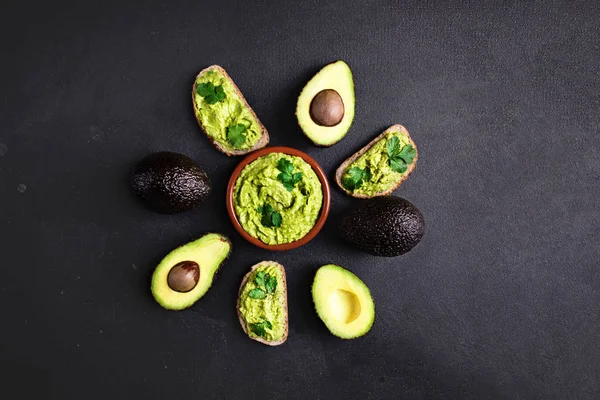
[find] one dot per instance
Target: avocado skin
(169, 182)
(384, 226)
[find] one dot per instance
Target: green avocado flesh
(208, 252)
(231, 111)
(258, 184)
(343, 302)
(378, 162)
(272, 308)
(336, 76)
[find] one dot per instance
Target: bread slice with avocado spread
(224, 114)
(381, 166)
(262, 303)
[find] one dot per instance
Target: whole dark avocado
(169, 182)
(384, 226)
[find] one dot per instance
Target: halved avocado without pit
(186, 273)
(343, 302)
(325, 108)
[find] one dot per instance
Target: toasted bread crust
(284, 285)
(264, 139)
(339, 173)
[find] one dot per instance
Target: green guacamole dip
(271, 308)
(299, 209)
(231, 111)
(376, 159)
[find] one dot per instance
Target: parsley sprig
(400, 158)
(266, 283)
(287, 176)
(260, 328)
(270, 217)
(355, 177)
(210, 93)
(236, 135)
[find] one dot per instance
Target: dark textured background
(501, 298)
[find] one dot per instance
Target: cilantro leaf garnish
(408, 154)
(260, 328)
(398, 165)
(220, 92)
(210, 93)
(259, 279)
(266, 283)
(258, 294)
(276, 219)
(270, 217)
(355, 177)
(270, 284)
(400, 158)
(287, 176)
(236, 135)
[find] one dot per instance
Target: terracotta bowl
(324, 209)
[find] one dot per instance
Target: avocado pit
(327, 108)
(184, 276)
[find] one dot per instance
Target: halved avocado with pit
(325, 108)
(343, 302)
(186, 273)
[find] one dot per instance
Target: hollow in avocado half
(277, 198)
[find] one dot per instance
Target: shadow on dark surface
(144, 285)
(330, 229)
(282, 120)
(303, 317)
(365, 137)
(185, 86)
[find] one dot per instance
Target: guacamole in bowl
(277, 198)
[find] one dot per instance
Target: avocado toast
(262, 303)
(224, 114)
(364, 175)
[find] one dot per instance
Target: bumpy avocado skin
(384, 226)
(170, 182)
